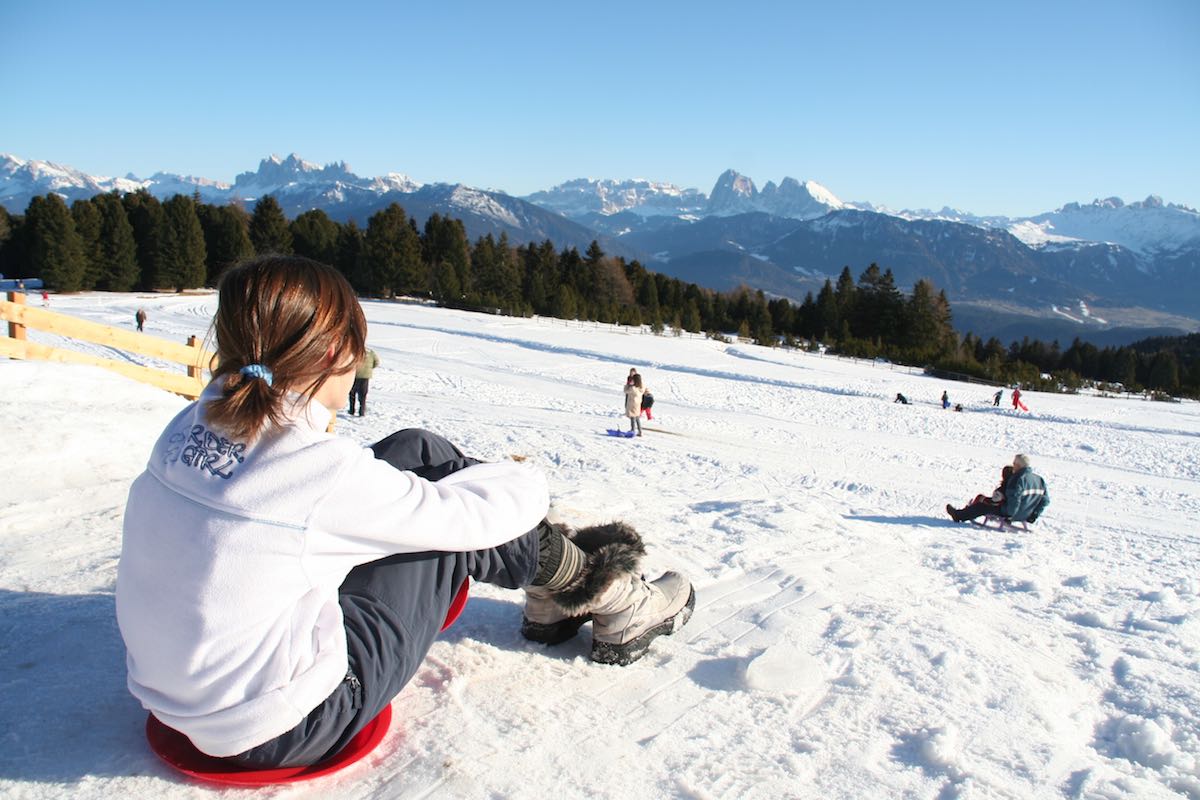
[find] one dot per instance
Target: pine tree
(349, 255)
(15, 245)
(226, 237)
(118, 249)
(448, 254)
(56, 252)
(1164, 372)
(691, 316)
(594, 254)
(923, 333)
(184, 254)
(269, 231)
(146, 216)
(314, 235)
(647, 298)
(828, 315)
(388, 250)
(87, 224)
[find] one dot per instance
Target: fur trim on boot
(614, 550)
(545, 620)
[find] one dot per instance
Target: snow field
(848, 639)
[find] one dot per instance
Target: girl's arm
(377, 509)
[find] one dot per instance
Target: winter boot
(633, 612)
(543, 620)
(627, 612)
(953, 512)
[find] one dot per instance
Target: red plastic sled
(458, 603)
(179, 753)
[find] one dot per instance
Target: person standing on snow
(362, 379)
(633, 403)
(140, 319)
(945, 399)
(1016, 399)
(647, 404)
(997, 397)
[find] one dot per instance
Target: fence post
(194, 370)
(15, 329)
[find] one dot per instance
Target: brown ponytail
(282, 313)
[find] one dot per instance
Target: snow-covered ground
(849, 641)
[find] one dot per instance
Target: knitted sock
(559, 560)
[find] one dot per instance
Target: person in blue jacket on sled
(1024, 497)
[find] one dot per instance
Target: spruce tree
(348, 257)
(691, 316)
(184, 253)
(146, 216)
(56, 252)
(315, 236)
(87, 224)
(226, 237)
(388, 250)
(594, 254)
(1164, 372)
(828, 314)
(118, 250)
(269, 232)
(446, 251)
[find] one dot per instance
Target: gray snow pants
(394, 609)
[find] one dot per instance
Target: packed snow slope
(849, 641)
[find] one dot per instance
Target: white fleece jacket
(232, 555)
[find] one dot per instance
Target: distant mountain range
(1135, 265)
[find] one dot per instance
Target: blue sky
(1007, 108)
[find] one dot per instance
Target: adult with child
(279, 585)
(633, 402)
(362, 380)
(1021, 497)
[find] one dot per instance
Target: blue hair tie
(257, 371)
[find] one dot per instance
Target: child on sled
(279, 585)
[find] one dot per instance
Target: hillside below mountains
(1135, 265)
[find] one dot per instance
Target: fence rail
(19, 316)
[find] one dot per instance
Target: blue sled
(625, 434)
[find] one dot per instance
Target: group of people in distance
(1020, 497)
(996, 398)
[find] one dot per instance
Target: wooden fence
(192, 355)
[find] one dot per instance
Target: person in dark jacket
(140, 318)
(1023, 497)
(900, 399)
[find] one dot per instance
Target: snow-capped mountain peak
(22, 179)
(1146, 226)
(582, 196)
